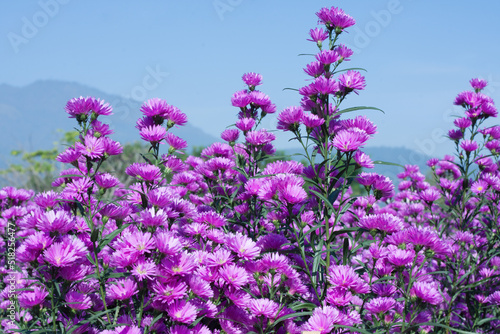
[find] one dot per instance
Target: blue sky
(418, 55)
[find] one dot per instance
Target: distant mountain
(31, 116)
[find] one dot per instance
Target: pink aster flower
(327, 57)
(245, 124)
(243, 246)
(122, 290)
(427, 292)
(314, 69)
(176, 117)
(144, 269)
(325, 86)
(322, 320)
(32, 297)
(400, 257)
(156, 107)
(260, 137)
(66, 253)
(252, 79)
(338, 296)
(363, 160)
(55, 221)
(176, 143)
(79, 106)
(479, 187)
(344, 52)
(233, 275)
(264, 307)
(380, 305)
(230, 135)
(346, 277)
(168, 292)
(180, 265)
(312, 121)
(241, 99)
(182, 311)
(469, 145)
(290, 118)
(106, 180)
(153, 134)
(385, 222)
(317, 35)
(144, 171)
(335, 18)
(78, 301)
(91, 147)
(349, 141)
(69, 155)
(351, 81)
(478, 84)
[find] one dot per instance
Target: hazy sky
(418, 55)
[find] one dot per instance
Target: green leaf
(379, 162)
(110, 237)
(345, 251)
(327, 202)
(351, 69)
(358, 108)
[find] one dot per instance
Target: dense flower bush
(225, 243)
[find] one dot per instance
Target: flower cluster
(230, 242)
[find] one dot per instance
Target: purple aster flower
(494, 298)
(230, 135)
(168, 292)
(338, 296)
(380, 305)
(289, 119)
(327, 57)
(493, 146)
(430, 195)
(360, 123)
(314, 69)
(32, 297)
(260, 137)
(363, 160)
(385, 222)
(91, 147)
(335, 18)
(351, 81)
(245, 124)
(144, 171)
(479, 187)
(478, 84)
(252, 79)
(181, 264)
(264, 307)
(317, 35)
(311, 121)
(241, 99)
(99, 129)
(176, 143)
(78, 301)
(156, 108)
(69, 155)
(78, 107)
(182, 311)
(175, 117)
(245, 247)
(400, 257)
(153, 134)
(46, 199)
(469, 145)
(75, 272)
(144, 269)
(111, 147)
(322, 320)
(349, 141)
(122, 290)
(61, 255)
(344, 52)
(106, 180)
(462, 123)
(55, 221)
(234, 276)
(345, 277)
(325, 86)
(427, 292)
